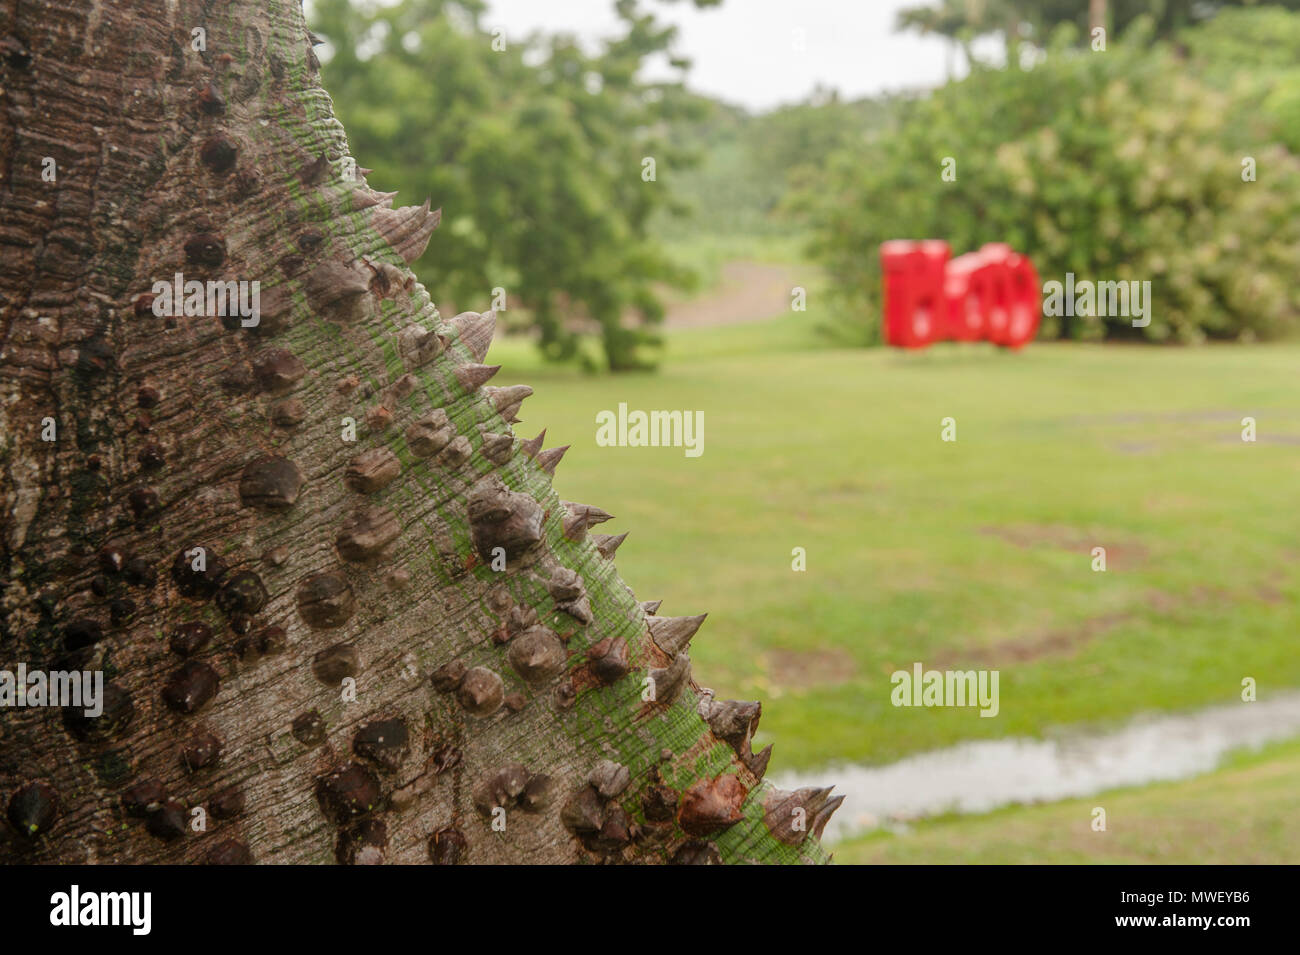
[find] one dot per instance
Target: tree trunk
(282, 543)
(1097, 14)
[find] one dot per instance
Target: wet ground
(980, 776)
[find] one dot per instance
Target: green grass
(974, 553)
(1244, 813)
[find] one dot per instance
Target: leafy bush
(1115, 165)
(1254, 54)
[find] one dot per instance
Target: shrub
(1115, 165)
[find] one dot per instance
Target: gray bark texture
(277, 542)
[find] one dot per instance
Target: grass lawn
(1245, 813)
(967, 554)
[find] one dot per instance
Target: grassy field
(1245, 813)
(967, 554)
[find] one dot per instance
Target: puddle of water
(980, 776)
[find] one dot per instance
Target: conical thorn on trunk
(595, 515)
(757, 762)
(791, 816)
(340, 290)
(575, 526)
(507, 400)
(533, 445)
(548, 459)
(418, 346)
(735, 722)
(407, 229)
(473, 376)
(566, 584)
(503, 518)
(669, 680)
(474, 330)
(497, 448)
(607, 544)
(672, 634)
(366, 198)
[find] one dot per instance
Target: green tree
(1255, 54)
(548, 161)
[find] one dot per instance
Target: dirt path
(748, 292)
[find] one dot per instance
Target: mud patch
(1270, 591)
(1136, 447)
(1289, 440)
(1125, 554)
(1146, 417)
(1270, 594)
(800, 669)
(1056, 643)
(1067, 641)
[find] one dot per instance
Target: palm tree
(962, 21)
(1097, 14)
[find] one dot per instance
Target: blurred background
(681, 204)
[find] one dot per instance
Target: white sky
(747, 51)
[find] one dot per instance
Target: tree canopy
(1034, 20)
(547, 159)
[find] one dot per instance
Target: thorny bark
(479, 695)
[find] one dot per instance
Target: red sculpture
(992, 294)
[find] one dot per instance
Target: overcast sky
(761, 53)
